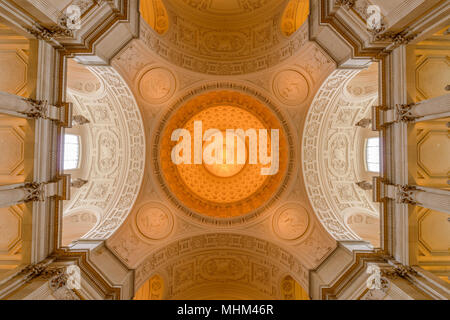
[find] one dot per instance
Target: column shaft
(435, 106)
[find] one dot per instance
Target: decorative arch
(213, 260)
(330, 152)
(113, 167)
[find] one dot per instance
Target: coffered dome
(226, 37)
(222, 191)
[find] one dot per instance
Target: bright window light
(373, 154)
(71, 151)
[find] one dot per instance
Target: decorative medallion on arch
(229, 193)
(291, 221)
(154, 221)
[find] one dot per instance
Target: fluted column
(430, 198)
(430, 109)
(15, 194)
(33, 109)
(26, 108)
(434, 199)
(28, 192)
(435, 108)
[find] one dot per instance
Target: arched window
(71, 151)
(373, 154)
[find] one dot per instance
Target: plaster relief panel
(432, 144)
(291, 221)
(431, 138)
(154, 221)
(434, 232)
(11, 139)
(157, 85)
(291, 87)
(10, 230)
(13, 63)
(428, 84)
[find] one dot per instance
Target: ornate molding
(49, 33)
(264, 57)
(347, 4)
(79, 120)
(177, 252)
(56, 275)
(399, 271)
(406, 195)
(364, 123)
(397, 38)
(403, 112)
(117, 155)
(38, 109)
(34, 192)
(328, 170)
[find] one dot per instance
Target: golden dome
(221, 190)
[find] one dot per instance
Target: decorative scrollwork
(48, 34)
(79, 120)
(397, 38)
(406, 195)
(404, 113)
(364, 123)
(57, 276)
(347, 4)
(399, 271)
(38, 109)
(34, 192)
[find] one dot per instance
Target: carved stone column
(435, 108)
(27, 108)
(43, 280)
(434, 199)
(15, 194)
(29, 192)
(429, 198)
(33, 109)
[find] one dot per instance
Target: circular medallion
(290, 221)
(291, 87)
(157, 85)
(154, 221)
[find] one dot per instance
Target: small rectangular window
(373, 154)
(71, 151)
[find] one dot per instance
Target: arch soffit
(329, 155)
(190, 254)
(116, 157)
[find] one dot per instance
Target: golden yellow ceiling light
(221, 190)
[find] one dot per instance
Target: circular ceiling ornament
(222, 193)
(291, 87)
(154, 221)
(291, 221)
(157, 85)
